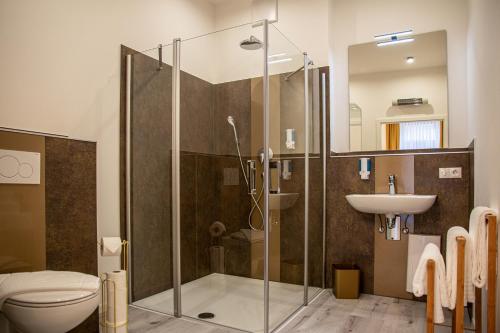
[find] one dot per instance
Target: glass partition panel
(222, 237)
(150, 179)
(287, 177)
(316, 88)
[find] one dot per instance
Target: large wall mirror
(398, 93)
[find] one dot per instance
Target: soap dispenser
(364, 167)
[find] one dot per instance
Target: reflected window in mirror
(399, 94)
(427, 134)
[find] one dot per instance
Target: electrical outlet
(450, 172)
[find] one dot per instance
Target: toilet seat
(51, 299)
(48, 301)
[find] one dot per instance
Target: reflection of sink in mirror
(282, 200)
(391, 204)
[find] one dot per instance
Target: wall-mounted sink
(282, 200)
(391, 204)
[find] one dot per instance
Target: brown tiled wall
(66, 205)
(292, 225)
(70, 204)
(452, 206)
(208, 148)
(71, 213)
(350, 234)
(207, 145)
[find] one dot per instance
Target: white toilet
(48, 301)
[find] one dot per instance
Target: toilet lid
(54, 298)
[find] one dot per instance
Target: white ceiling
(429, 50)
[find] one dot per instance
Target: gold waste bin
(346, 281)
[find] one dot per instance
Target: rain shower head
(252, 43)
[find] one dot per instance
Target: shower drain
(206, 315)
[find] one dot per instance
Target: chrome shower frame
(265, 95)
(176, 172)
(176, 209)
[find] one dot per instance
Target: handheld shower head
(230, 120)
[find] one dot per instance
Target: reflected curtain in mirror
(421, 134)
(392, 136)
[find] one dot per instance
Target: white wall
(357, 21)
(484, 103)
(60, 65)
(305, 23)
(60, 72)
(374, 93)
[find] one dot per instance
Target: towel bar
(458, 312)
(431, 268)
(491, 221)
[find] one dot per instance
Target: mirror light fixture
(394, 34)
(394, 38)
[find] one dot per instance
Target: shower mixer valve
(251, 171)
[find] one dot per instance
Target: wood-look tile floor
(368, 314)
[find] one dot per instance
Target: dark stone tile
(71, 211)
(188, 217)
(292, 225)
(70, 204)
(151, 178)
(233, 202)
(205, 210)
(197, 115)
(452, 205)
(232, 99)
(237, 257)
(349, 234)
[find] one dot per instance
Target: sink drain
(206, 315)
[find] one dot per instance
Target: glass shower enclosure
(222, 133)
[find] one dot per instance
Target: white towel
(441, 300)
(416, 245)
(451, 266)
(23, 283)
(479, 238)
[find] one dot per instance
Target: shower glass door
(287, 195)
(201, 121)
(149, 179)
(222, 238)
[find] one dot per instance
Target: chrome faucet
(392, 184)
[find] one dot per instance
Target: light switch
(450, 172)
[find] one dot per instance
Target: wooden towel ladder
(491, 287)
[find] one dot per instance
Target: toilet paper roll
(116, 284)
(111, 246)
